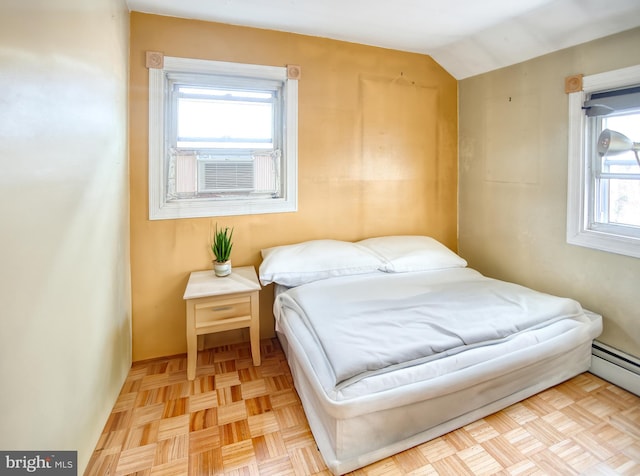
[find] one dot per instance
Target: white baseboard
(616, 367)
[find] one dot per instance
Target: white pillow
(293, 265)
(412, 253)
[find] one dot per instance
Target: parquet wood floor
(237, 419)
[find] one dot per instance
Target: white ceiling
(466, 37)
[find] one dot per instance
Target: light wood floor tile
(436, 449)
(619, 464)
(136, 459)
(178, 467)
(306, 460)
(147, 414)
(229, 394)
(202, 401)
(410, 460)
(276, 467)
(552, 464)
(563, 423)
(203, 419)
(426, 470)
(262, 424)
(203, 440)
(627, 421)
(238, 455)
(258, 405)
(155, 380)
(633, 451)
(202, 384)
(481, 431)
(290, 416)
(237, 419)
(269, 446)
(503, 452)
(544, 432)
(125, 401)
(256, 388)
(460, 440)
(234, 432)
(284, 398)
(175, 426)
(524, 442)
(574, 455)
(206, 462)
(520, 413)
(479, 460)
(172, 449)
(227, 379)
(297, 437)
(385, 467)
(452, 465)
(523, 468)
(231, 412)
(142, 435)
(176, 407)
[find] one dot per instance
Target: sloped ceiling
(466, 37)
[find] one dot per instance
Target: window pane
(618, 198)
(224, 124)
(624, 164)
(624, 202)
(627, 124)
(214, 118)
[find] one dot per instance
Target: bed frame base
(352, 443)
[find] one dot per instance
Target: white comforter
(369, 325)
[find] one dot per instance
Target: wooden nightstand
(220, 304)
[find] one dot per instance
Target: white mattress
(410, 404)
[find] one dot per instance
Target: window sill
(195, 209)
(608, 242)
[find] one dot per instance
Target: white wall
(513, 185)
(65, 343)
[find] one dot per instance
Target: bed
(393, 341)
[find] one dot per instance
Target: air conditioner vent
(226, 176)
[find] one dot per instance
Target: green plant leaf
(222, 243)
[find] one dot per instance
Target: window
(603, 210)
(222, 139)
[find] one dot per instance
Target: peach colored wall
(377, 155)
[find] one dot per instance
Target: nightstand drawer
(222, 309)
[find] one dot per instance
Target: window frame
(159, 97)
(580, 188)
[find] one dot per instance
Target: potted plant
(221, 248)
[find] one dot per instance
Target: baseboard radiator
(616, 367)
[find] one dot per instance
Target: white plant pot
(222, 269)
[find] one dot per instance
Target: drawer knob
(221, 308)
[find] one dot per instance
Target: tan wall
(377, 155)
(513, 185)
(65, 343)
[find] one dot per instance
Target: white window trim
(578, 231)
(159, 208)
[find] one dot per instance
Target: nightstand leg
(192, 341)
(254, 330)
(200, 342)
